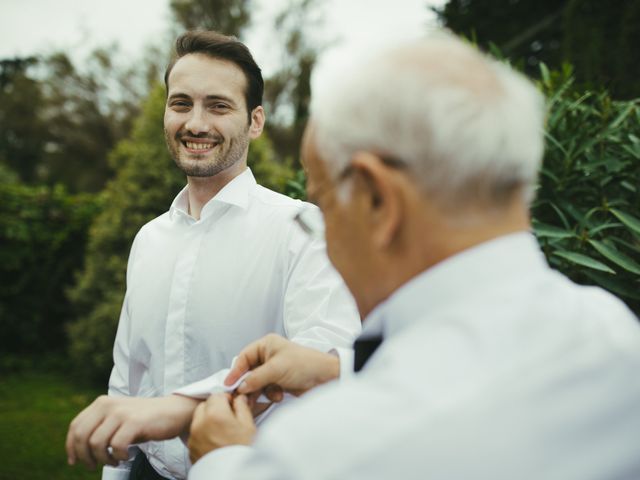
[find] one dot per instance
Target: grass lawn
(35, 410)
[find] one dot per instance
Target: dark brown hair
(223, 47)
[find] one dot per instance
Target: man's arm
(319, 311)
(118, 422)
(279, 365)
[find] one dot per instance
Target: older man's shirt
(493, 367)
(198, 291)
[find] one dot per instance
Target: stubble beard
(218, 161)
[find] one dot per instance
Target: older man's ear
(379, 187)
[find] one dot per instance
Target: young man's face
(205, 117)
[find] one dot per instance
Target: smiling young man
(224, 266)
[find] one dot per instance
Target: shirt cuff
(121, 472)
(345, 355)
(202, 389)
(221, 463)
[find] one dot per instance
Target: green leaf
(583, 260)
(544, 73)
(621, 118)
(628, 185)
(629, 220)
(560, 214)
(614, 285)
(616, 256)
(544, 230)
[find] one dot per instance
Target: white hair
(468, 127)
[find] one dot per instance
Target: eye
(219, 107)
(180, 105)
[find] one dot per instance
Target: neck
(427, 240)
(455, 237)
(203, 189)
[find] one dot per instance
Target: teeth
(199, 146)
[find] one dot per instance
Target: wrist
(331, 368)
(182, 408)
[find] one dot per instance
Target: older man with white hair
(486, 363)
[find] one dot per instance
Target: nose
(197, 122)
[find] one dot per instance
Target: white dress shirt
(198, 291)
(493, 367)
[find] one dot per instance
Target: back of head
(221, 47)
(470, 129)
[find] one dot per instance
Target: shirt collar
(470, 272)
(236, 192)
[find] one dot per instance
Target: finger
(197, 424)
(198, 415)
(68, 444)
(242, 410)
(261, 377)
(274, 393)
(85, 425)
(121, 440)
(75, 429)
(100, 438)
(252, 398)
(250, 357)
(219, 405)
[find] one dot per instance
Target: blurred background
(83, 163)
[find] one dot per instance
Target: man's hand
(219, 422)
(118, 422)
(280, 365)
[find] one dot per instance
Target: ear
(257, 122)
(379, 187)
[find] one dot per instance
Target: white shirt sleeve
(319, 311)
(346, 356)
(119, 379)
(236, 462)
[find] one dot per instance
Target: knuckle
(102, 400)
(273, 338)
(95, 443)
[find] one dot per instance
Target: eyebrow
(207, 98)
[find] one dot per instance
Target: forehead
(197, 74)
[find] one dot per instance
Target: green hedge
(43, 233)
(586, 212)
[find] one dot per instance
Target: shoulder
(262, 197)
(155, 224)
(275, 211)
(598, 314)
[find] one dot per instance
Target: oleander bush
(587, 212)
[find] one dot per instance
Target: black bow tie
(363, 348)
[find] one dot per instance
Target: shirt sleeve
(319, 311)
(236, 462)
(119, 379)
(309, 439)
(345, 355)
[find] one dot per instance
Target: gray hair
(469, 128)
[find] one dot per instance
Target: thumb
(239, 368)
(259, 379)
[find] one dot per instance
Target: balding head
(470, 129)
